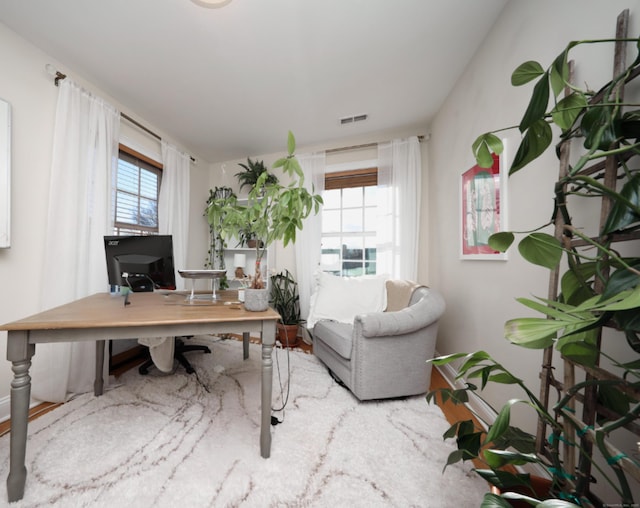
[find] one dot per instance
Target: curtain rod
(58, 76)
(147, 130)
(365, 145)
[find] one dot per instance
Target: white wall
(28, 88)
(480, 295)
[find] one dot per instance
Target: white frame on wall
(5, 174)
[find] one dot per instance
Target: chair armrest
(410, 319)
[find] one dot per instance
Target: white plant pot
(256, 300)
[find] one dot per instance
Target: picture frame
(483, 211)
(5, 174)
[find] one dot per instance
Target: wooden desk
(104, 317)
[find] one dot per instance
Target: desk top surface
(158, 308)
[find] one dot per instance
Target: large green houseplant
(599, 288)
(273, 211)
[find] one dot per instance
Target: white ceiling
(230, 82)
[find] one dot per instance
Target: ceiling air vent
(351, 119)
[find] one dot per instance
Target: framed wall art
(483, 210)
(5, 174)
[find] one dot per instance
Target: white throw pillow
(342, 298)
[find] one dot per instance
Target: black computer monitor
(141, 263)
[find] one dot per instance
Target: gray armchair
(383, 354)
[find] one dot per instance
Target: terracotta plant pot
(287, 335)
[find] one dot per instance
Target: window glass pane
(331, 221)
(370, 217)
(126, 208)
(370, 195)
(370, 248)
(349, 224)
(331, 198)
(352, 221)
(148, 184)
(352, 197)
(352, 269)
(148, 213)
(352, 248)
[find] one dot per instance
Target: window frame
(353, 178)
(144, 163)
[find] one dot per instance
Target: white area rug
(164, 441)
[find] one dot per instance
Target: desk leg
(98, 384)
(19, 353)
(268, 341)
(245, 345)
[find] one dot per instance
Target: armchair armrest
(410, 319)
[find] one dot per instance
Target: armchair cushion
(342, 298)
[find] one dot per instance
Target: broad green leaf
(504, 378)
(574, 283)
(525, 72)
(577, 347)
(621, 280)
(534, 333)
(291, 143)
(518, 439)
(568, 109)
(628, 299)
(472, 360)
(541, 249)
(498, 458)
(598, 128)
(504, 479)
(494, 501)
(550, 311)
(538, 104)
(501, 241)
(444, 360)
(279, 163)
(559, 74)
(535, 141)
(612, 398)
(484, 146)
(501, 423)
(630, 125)
(621, 215)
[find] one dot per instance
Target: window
(349, 223)
(135, 194)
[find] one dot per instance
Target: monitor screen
(141, 263)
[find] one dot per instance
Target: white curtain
(173, 204)
(85, 152)
(399, 177)
(309, 241)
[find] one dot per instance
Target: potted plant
(217, 245)
(286, 301)
(599, 290)
(252, 170)
(272, 211)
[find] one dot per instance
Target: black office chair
(178, 353)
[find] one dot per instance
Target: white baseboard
(5, 408)
(475, 404)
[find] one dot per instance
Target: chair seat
(335, 335)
